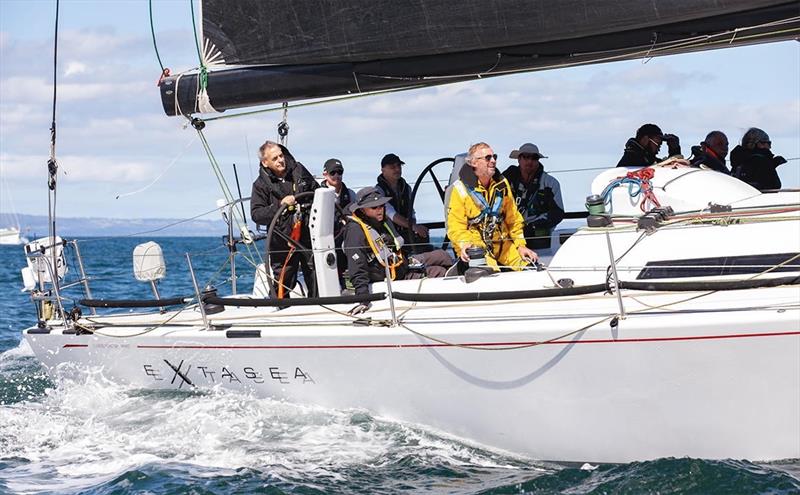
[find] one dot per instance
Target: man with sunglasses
(641, 150)
(753, 161)
(333, 172)
(482, 213)
(537, 194)
(373, 247)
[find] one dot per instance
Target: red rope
(643, 175)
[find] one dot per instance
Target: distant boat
(10, 236)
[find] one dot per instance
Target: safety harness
(382, 251)
(490, 216)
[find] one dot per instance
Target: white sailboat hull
(718, 381)
(666, 371)
(10, 237)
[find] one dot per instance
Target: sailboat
(10, 234)
(665, 328)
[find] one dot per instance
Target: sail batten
(293, 50)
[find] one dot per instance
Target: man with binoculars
(641, 150)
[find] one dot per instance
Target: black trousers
(299, 259)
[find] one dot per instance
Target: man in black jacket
(372, 245)
(280, 179)
(712, 152)
(400, 210)
(641, 150)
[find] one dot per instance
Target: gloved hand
(673, 144)
(359, 308)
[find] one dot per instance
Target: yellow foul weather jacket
(470, 219)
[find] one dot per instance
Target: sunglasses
(768, 143)
(336, 172)
(488, 158)
(526, 156)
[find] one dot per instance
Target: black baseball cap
(391, 159)
(333, 164)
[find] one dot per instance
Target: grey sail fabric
(289, 50)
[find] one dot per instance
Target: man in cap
(482, 213)
(641, 150)
(372, 245)
(400, 210)
(280, 179)
(537, 194)
(711, 152)
(333, 172)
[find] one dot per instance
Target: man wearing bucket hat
(641, 150)
(372, 246)
(537, 194)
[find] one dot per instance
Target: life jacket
(491, 214)
(380, 249)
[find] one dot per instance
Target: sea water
(90, 436)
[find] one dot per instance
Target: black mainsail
(285, 50)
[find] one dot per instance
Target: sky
(120, 156)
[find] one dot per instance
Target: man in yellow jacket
(482, 213)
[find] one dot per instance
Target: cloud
(75, 67)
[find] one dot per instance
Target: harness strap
(379, 247)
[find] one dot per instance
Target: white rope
(173, 162)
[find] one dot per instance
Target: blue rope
(606, 194)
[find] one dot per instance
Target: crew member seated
(371, 243)
(537, 193)
(400, 210)
(482, 213)
(711, 153)
(641, 150)
(754, 163)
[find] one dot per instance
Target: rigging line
(153, 32)
(684, 43)
(173, 162)
(145, 331)
(159, 229)
(196, 38)
(241, 222)
(215, 168)
(52, 163)
(312, 103)
(509, 347)
(698, 296)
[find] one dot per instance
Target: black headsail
(284, 50)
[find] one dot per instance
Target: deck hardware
(615, 276)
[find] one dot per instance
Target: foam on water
(86, 431)
(79, 433)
